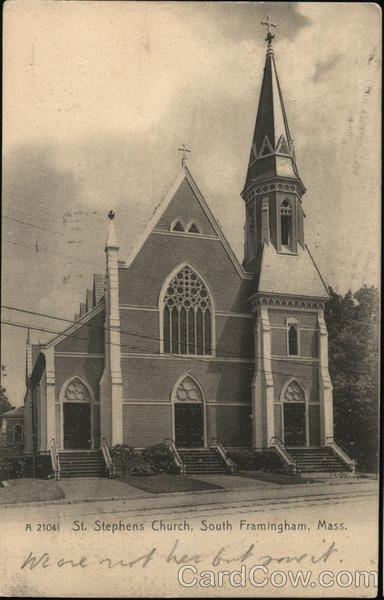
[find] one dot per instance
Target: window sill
(176, 355)
(286, 250)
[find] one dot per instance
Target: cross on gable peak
(184, 156)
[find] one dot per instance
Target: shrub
(161, 459)
(12, 462)
(122, 455)
(243, 459)
(142, 469)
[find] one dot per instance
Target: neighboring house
(182, 341)
(12, 427)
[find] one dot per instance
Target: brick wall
(306, 372)
(153, 379)
(146, 424)
(88, 338)
(186, 207)
(89, 368)
(140, 285)
(233, 425)
(140, 332)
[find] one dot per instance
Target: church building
(180, 343)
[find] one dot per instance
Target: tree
(5, 405)
(353, 328)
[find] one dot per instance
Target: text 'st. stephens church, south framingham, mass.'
(182, 344)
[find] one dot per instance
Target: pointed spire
(112, 237)
(272, 152)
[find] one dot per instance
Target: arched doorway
(294, 415)
(77, 416)
(188, 414)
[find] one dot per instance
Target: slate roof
(272, 151)
(14, 412)
(98, 287)
(89, 299)
(289, 274)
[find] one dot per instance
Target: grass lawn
(165, 484)
(30, 490)
(279, 478)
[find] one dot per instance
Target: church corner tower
(291, 389)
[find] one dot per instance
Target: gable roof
(14, 412)
(74, 327)
(184, 174)
(289, 274)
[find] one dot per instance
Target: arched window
(18, 433)
(292, 340)
(193, 228)
(187, 317)
(286, 222)
(177, 226)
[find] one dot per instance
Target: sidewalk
(77, 491)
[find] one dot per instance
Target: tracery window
(76, 391)
(294, 393)
(292, 340)
(188, 391)
(187, 317)
(286, 222)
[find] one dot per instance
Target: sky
(97, 98)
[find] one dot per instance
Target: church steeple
(272, 174)
(272, 150)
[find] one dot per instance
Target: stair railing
(107, 457)
(169, 442)
(215, 443)
(278, 445)
(55, 460)
(347, 460)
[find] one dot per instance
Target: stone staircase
(202, 461)
(318, 460)
(84, 463)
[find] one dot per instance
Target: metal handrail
(178, 460)
(55, 460)
(216, 443)
(277, 443)
(330, 441)
(107, 457)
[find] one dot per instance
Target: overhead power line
(152, 338)
(177, 356)
(48, 230)
(37, 248)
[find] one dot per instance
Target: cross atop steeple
(269, 24)
(272, 151)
